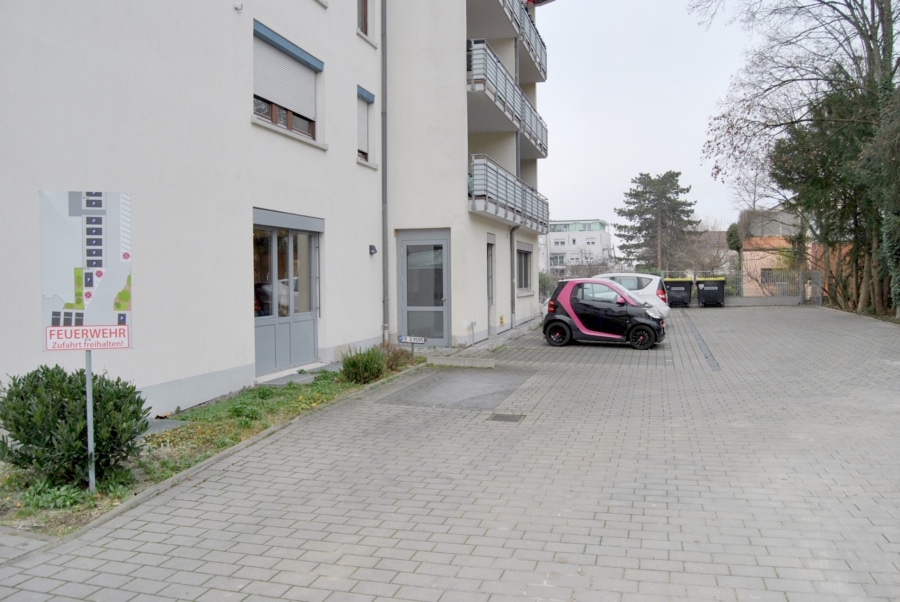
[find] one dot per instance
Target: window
(573, 241)
(283, 118)
(557, 260)
(364, 100)
(594, 292)
(523, 265)
(282, 283)
(559, 242)
(362, 16)
(284, 82)
(590, 241)
(490, 274)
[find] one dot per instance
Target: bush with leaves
(45, 414)
(362, 367)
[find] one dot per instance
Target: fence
(766, 287)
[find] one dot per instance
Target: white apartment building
(575, 243)
(204, 157)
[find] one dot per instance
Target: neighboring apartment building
(576, 245)
(241, 146)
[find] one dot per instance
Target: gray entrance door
(284, 293)
(424, 287)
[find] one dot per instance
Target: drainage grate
(507, 417)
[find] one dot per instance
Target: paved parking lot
(753, 456)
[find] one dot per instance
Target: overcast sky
(630, 89)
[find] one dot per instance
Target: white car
(646, 287)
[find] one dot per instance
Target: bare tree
(586, 265)
(801, 45)
(752, 188)
(705, 249)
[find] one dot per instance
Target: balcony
(497, 104)
(499, 195)
(532, 50)
(501, 19)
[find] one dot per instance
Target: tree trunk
(659, 234)
(864, 286)
(826, 272)
(877, 293)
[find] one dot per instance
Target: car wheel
(641, 337)
(558, 334)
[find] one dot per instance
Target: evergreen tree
(658, 220)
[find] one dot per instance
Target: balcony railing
(532, 39)
(487, 73)
(503, 196)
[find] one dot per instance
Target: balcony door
(424, 299)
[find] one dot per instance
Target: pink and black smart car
(599, 310)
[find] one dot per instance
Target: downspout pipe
(385, 297)
(513, 280)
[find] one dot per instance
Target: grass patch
(32, 505)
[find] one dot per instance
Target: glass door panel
(424, 293)
(262, 273)
(283, 265)
(302, 281)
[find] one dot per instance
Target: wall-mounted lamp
(372, 250)
(238, 6)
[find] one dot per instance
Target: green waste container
(711, 291)
(678, 291)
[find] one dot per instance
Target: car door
(596, 308)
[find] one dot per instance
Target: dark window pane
(425, 275)
(262, 273)
(262, 108)
(302, 125)
(281, 116)
(282, 265)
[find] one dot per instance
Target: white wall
(427, 134)
(157, 102)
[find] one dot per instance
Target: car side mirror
(620, 300)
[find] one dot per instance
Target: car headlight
(654, 314)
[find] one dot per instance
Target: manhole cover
(507, 417)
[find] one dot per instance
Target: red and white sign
(68, 338)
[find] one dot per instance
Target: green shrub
(45, 415)
(265, 392)
(246, 410)
(364, 367)
(396, 357)
(45, 496)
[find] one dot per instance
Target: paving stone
(635, 475)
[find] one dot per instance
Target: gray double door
(284, 298)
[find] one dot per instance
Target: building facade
(575, 246)
(307, 158)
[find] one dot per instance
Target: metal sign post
(413, 341)
(89, 395)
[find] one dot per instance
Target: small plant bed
(32, 503)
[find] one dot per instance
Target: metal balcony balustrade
(504, 197)
(487, 73)
(529, 34)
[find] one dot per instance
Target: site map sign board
(86, 270)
